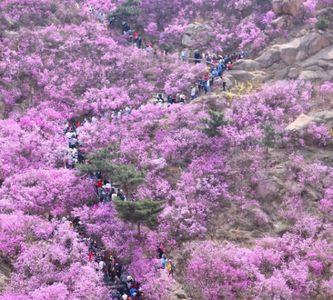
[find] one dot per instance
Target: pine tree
(214, 122)
(106, 161)
(139, 212)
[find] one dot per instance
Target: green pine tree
(106, 161)
(139, 212)
(214, 122)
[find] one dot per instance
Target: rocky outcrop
(5, 271)
(307, 57)
(294, 8)
(319, 66)
(196, 35)
(302, 121)
(246, 65)
(283, 22)
(234, 76)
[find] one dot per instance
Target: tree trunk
(139, 230)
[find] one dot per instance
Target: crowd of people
(217, 65)
(122, 285)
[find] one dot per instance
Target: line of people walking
(122, 285)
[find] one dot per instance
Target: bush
(322, 24)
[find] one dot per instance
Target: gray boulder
(246, 65)
(196, 35)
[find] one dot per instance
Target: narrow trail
(120, 284)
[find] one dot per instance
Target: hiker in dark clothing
(224, 86)
(160, 251)
(197, 56)
(171, 100)
(139, 41)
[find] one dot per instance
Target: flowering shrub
(58, 63)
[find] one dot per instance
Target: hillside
(166, 149)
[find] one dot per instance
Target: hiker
(135, 36)
(182, 98)
(208, 58)
(101, 265)
(125, 27)
(183, 55)
(130, 35)
(118, 269)
(111, 20)
(114, 195)
(163, 261)
(139, 41)
(197, 56)
(193, 92)
(159, 98)
(170, 267)
(230, 66)
(160, 250)
(121, 196)
(224, 86)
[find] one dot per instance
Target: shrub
(322, 24)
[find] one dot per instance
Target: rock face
(196, 35)
(4, 274)
(307, 57)
(283, 22)
(288, 7)
(246, 65)
(302, 121)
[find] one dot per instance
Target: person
(170, 99)
(139, 41)
(163, 261)
(114, 195)
(118, 269)
(111, 20)
(72, 141)
(135, 36)
(101, 265)
(160, 250)
(80, 157)
(121, 196)
(70, 161)
(170, 267)
(197, 56)
(224, 86)
(125, 27)
(182, 98)
(130, 35)
(129, 282)
(193, 92)
(208, 58)
(91, 256)
(159, 98)
(183, 55)
(128, 110)
(133, 292)
(215, 72)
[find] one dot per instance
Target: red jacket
(99, 183)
